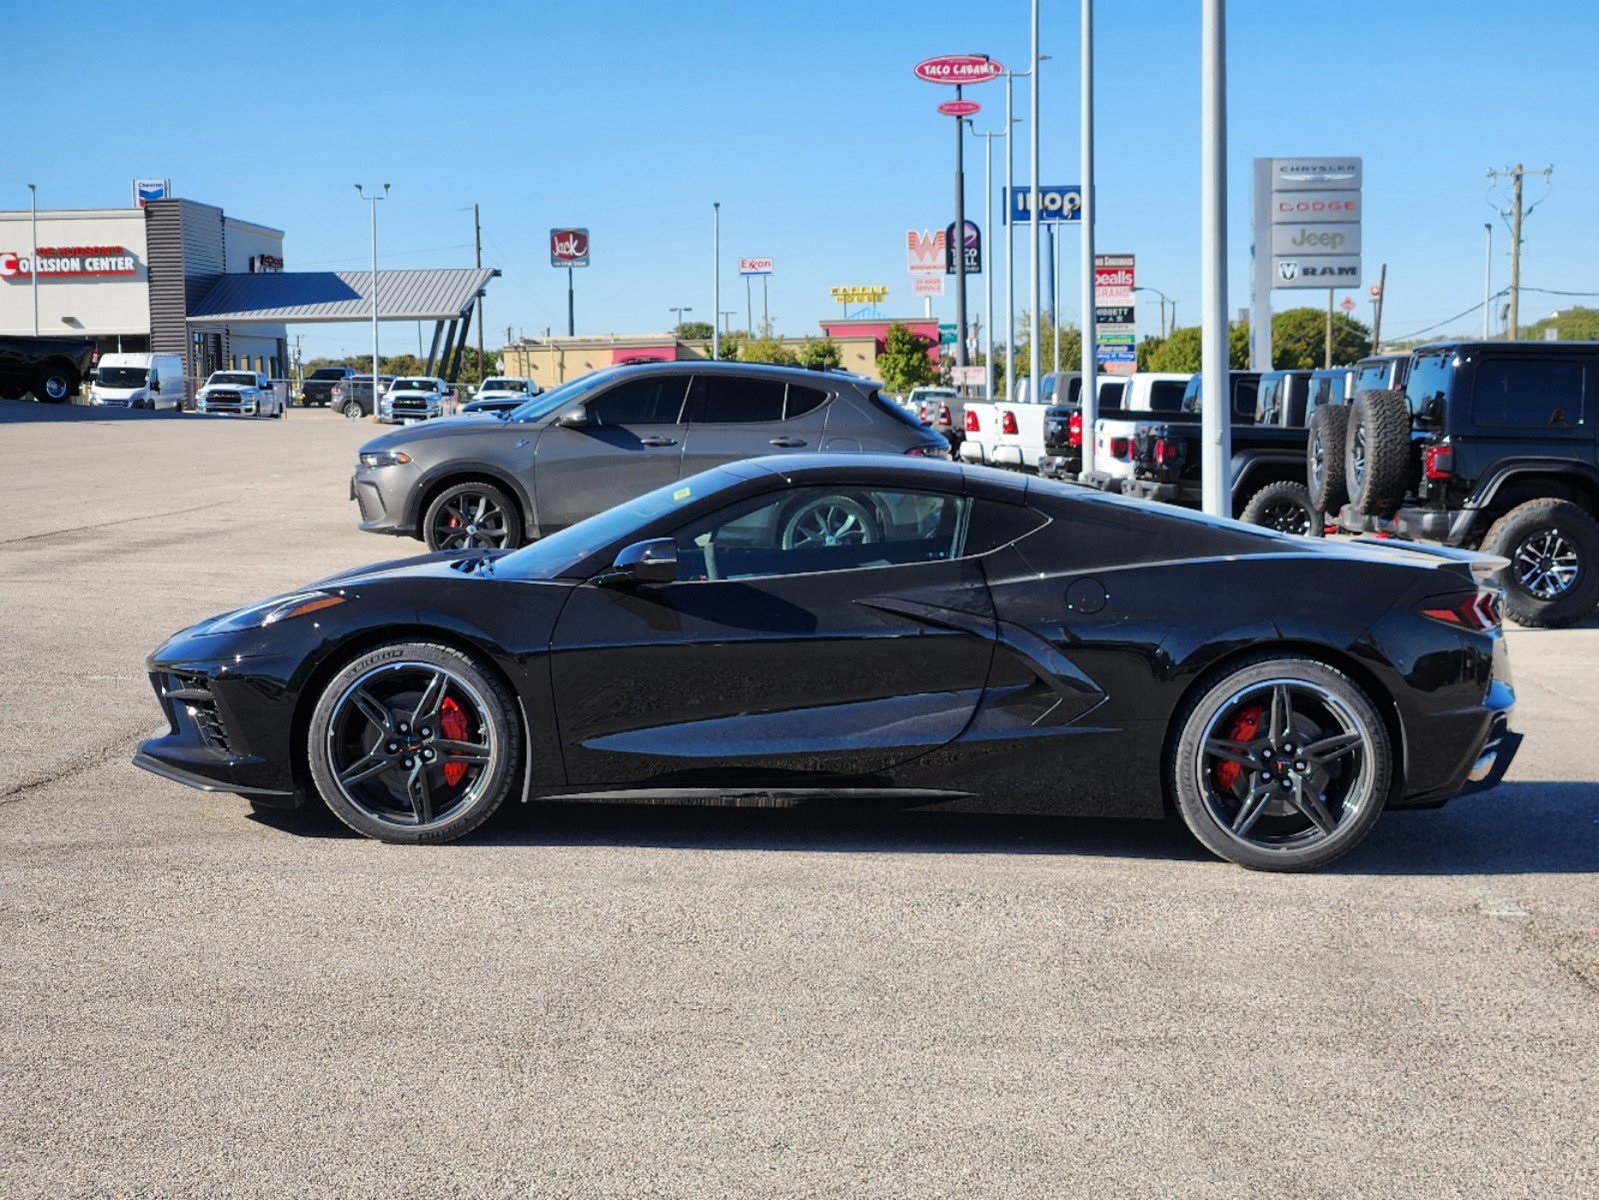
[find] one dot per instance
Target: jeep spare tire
(1324, 458)
(1377, 455)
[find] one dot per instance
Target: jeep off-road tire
(1553, 577)
(1377, 456)
(1324, 457)
(1286, 507)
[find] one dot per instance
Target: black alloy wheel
(1284, 506)
(473, 516)
(1281, 765)
(1553, 548)
(414, 742)
(830, 521)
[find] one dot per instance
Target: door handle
(787, 441)
(657, 441)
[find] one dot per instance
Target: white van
(138, 381)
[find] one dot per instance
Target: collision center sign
(959, 68)
(60, 261)
(569, 247)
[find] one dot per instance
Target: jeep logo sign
(1300, 240)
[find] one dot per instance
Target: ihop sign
(1059, 203)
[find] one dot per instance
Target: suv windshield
(328, 373)
(122, 377)
(563, 552)
(232, 379)
(503, 385)
(1428, 383)
(414, 385)
(565, 395)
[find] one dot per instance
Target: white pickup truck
(1015, 433)
(244, 393)
(1114, 436)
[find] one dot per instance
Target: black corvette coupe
(864, 629)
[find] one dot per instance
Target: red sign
(569, 247)
(1348, 305)
(69, 260)
(1114, 277)
(1374, 292)
(960, 108)
(959, 68)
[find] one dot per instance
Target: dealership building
(130, 279)
(174, 276)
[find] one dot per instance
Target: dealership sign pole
(959, 69)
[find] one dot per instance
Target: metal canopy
(298, 297)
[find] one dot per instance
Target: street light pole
(716, 276)
(959, 248)
(1487, 281)
(988, 274)
(1033, 348)
(1088, 402)
(372, 200)
(1010, 234)
(1215, 422)
(33, 256)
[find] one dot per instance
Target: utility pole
(477, 238)
(1327, 356)
(1376, 320)
(1088, 396)
(1034, 350)
(1487, 283)
(1517, 175)
(988, 273)
(727, 324)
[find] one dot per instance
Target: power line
(1451, 320)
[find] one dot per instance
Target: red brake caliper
(452, 723)
(1245, 726)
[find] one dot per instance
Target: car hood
(461, 424)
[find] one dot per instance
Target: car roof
(708, 366)
(901, 469)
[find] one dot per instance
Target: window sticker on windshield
(682, 493)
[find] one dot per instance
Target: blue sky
(805, 121)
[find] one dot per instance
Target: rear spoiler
(1483, 567)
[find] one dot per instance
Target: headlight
(270, 612)
(384, 458)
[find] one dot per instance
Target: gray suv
(506, 478)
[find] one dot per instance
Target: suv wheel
(473, 516)
(1284, 506)
(353, 410)
(1553, 548)
(1324, 457)
(1377, 453)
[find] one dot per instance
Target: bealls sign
(959, 68)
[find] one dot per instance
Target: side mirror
(654, 561)
(155, 385)
(577, 417)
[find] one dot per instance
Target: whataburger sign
(69, 261)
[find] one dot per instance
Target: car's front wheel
(1553, 548)
(353, 410)
(1280, 764)
(414, 742)
(1284, 506)
(472, 516)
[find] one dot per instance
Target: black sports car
(857, 628)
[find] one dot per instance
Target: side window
(1166, 395)
(728, 399)
(802, 400)
(1529, 394)
(1244, 392)
(1266, 403)
(648, 400)
(809, 530)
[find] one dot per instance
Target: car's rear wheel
(1280, 764)
(1553, 576)
(830, 521)
(1377, 452)
(414, 742)
(1324, 455)
(55, 384)
(1284, 506)
(353, 410)
(473, 516)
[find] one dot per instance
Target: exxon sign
(569, 247)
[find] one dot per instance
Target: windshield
(232, 379)
(328, 373)
(414, 385)
(504, 385)
(562, 553)
(564, 396)
(122, 377)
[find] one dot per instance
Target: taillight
(972, 425)
(1479, 612)
(943, 415)
(1437, 461)
(1165, 452)
(1074, 430)
(1007, 422)
(928, 452)
(1118, 447)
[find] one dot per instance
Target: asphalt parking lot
(621, 1001)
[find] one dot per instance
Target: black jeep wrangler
(1490, 446)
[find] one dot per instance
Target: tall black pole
(571, 310)
(477, 239)
(959, 249)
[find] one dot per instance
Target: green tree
(820, 352)
(767, 348)
(1299, 339)
(904, 363)
(694, 331)
(1069, 340)
(1180, 350)
(1575, 324)
(730, 346)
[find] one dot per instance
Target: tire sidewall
(507, 734)
(1211, 698)
(1525, 521)
(513, 514)
(1283, 490)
